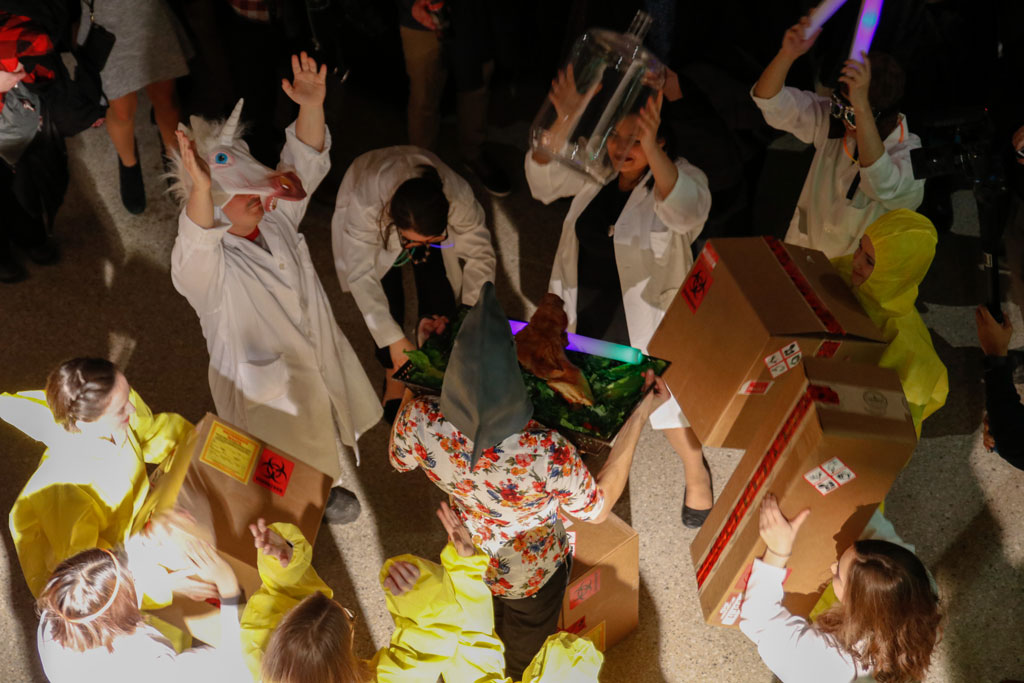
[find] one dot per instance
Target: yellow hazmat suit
(904, 244)
(444, 625)
(85, 492)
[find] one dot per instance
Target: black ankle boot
(133, 192)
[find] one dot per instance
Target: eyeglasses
(419, 252)
(840, 108)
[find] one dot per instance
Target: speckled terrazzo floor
(961, 506)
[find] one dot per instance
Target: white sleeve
(552, 181)
(310, 165)
(197, 264)
(890, 180)
(224, 664)
(799, 112)
(793, 649)
(471, 237)
(686, 208)
(357, 245)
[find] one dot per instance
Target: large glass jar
(613, 75)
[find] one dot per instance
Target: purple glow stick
(595, 347)
(821, 14)
(867, 22)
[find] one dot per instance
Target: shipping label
(709, 255)
(697, 284)
(596, 635)
(755, 387)
(273, 472)
(830, 476)
(230, 452)
(730, 611)
(891, 405)
(585, 588)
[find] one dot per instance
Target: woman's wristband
(781, 556)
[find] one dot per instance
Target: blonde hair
(89, 602)
(313, 643)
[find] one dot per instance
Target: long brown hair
(89, 601)
(79, 390)
(890, 619)
(313, 644)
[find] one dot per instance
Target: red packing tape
(814, 393)
(803, 286)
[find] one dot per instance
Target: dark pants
(433, 291)
(523, 624)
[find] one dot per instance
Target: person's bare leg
(165, 110)
(120, 125)
(698, 482)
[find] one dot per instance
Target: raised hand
(857, 77)
(196, 168)
(270, 542)
(309, 85)
(568, 101)
(458, 534)
(793, 42)
(777, 531)
(649, 121)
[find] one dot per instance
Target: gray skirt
(150, 44)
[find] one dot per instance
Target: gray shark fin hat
(483, 393)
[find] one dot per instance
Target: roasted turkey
(540, 347)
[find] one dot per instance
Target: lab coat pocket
(263, 381)
(661, 242)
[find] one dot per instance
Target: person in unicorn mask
(279, 365)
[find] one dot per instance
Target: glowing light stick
(595, 347)
(867, 22)
(821, 14)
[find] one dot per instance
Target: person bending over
(861, 166)
(886, 624)
(399, 206)
(280, 367)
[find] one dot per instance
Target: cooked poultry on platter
(540, 347)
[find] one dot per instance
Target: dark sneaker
(342, 507)
(491, 176)
(133, 192)
(11, 270)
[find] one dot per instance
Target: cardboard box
(226, 479)
(602, 601)
(847, 434)
(749, 311)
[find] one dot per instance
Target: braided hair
(79, 390)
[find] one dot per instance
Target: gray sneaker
(342, 507)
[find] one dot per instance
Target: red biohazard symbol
(697, 284)
(585, 588)
(273, 471)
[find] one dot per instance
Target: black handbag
(77, 104)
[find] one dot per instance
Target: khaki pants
(425, 67)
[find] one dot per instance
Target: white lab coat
(360, 256)
(279, 365)
(652, 248)
(825, 219)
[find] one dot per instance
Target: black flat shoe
(694, 519)
(133, 192)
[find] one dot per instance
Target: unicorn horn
(227, 134)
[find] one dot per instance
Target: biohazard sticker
(273, 472)
(697, 284)
(585, 588)
(830, 476)
(756, 387)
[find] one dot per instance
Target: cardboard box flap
(834, 293)
(763, 282)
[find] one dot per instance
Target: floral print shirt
(510, 500)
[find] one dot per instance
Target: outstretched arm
(200, 202)
(307, 89)
(793, 46)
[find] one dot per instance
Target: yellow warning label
(230, 452)
(596, 636)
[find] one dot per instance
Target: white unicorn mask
(233, 170)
